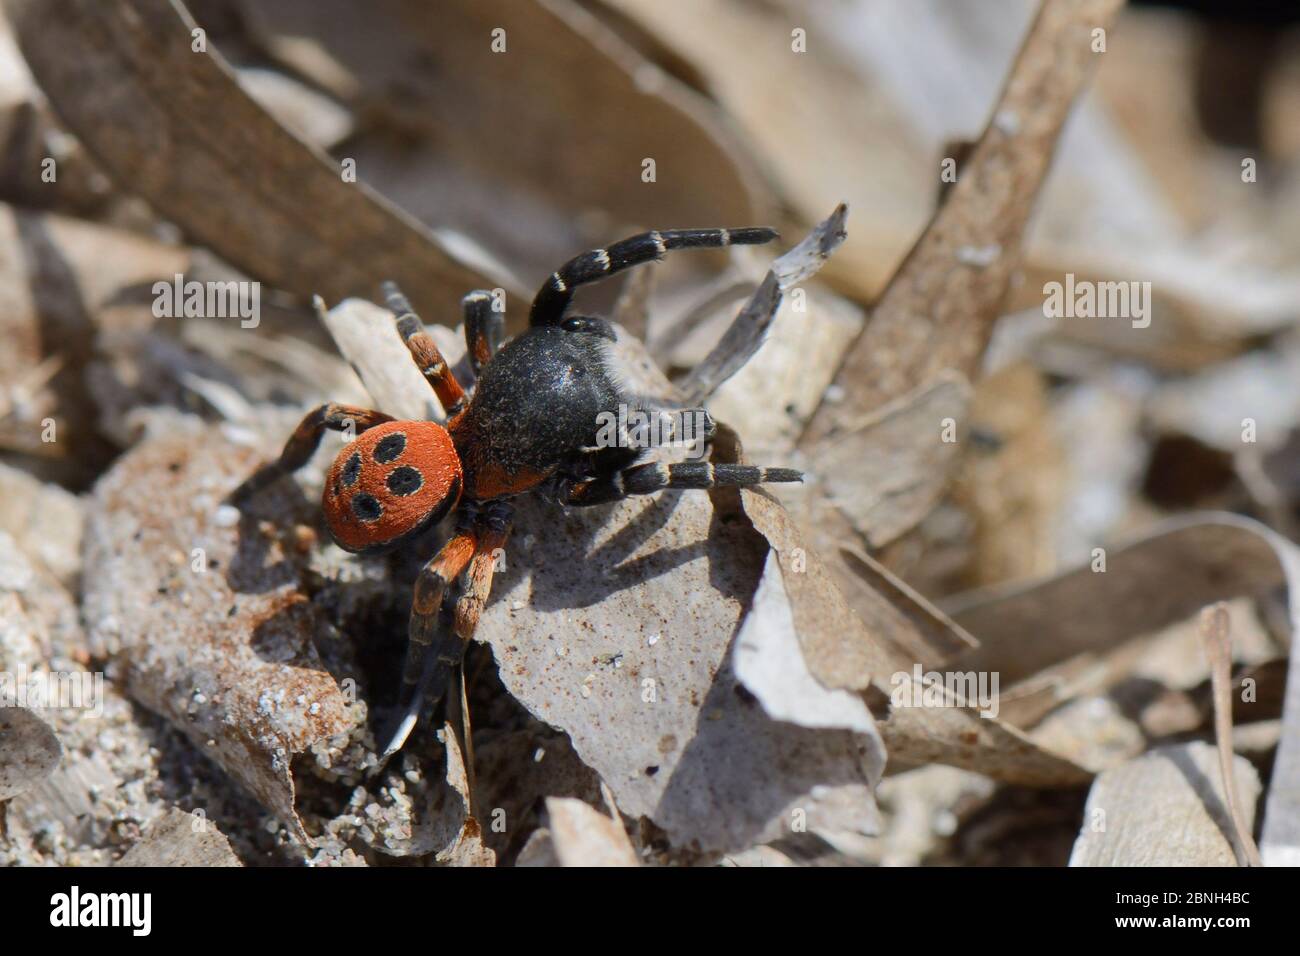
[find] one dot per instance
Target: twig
(1218, 648)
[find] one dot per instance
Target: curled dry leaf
(29, 751)
(202, 612)
(901, 631)
(748, 330)
(455, 831)
(126, 80)
(1216, 557)
(1218, 648)
(770, 663)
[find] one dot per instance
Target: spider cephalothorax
(533, 422)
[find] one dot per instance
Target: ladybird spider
(531, 423)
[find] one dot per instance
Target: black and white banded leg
(656, 476)
(557, 292)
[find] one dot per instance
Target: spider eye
(590, 326)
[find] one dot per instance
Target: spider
(530, 425)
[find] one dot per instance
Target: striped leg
(649, 478)
(429, 642)
(438, 641)
(426, 354)
(666, 424)
(305, 440)
(556, 293)
(483, 328)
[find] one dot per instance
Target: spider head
(393, 480)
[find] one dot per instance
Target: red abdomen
(393, 480)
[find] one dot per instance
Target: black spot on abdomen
(351, 470)
(390, 448)
(367, 507)
(405, 481)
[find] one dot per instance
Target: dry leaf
(583, 836)
(181, 839)
(1164, 808)
(462, 136)
(125, 79)
(938, 310)
(1215, 556)
(202, 612)
(877, 636)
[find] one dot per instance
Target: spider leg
(470, 604)
(427, 356)
(440, 632)
(557, 292)
(426, 636)
(306, 439)
(655, 476)
(483, 328)
(667, 424)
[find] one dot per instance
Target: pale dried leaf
(889, 489)
(747, 332)
(876, 636)
(1165, 808)
(181, 839)
(1216, 557)
(583, 836)
(938, 310)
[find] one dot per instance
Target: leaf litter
(689, 678)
